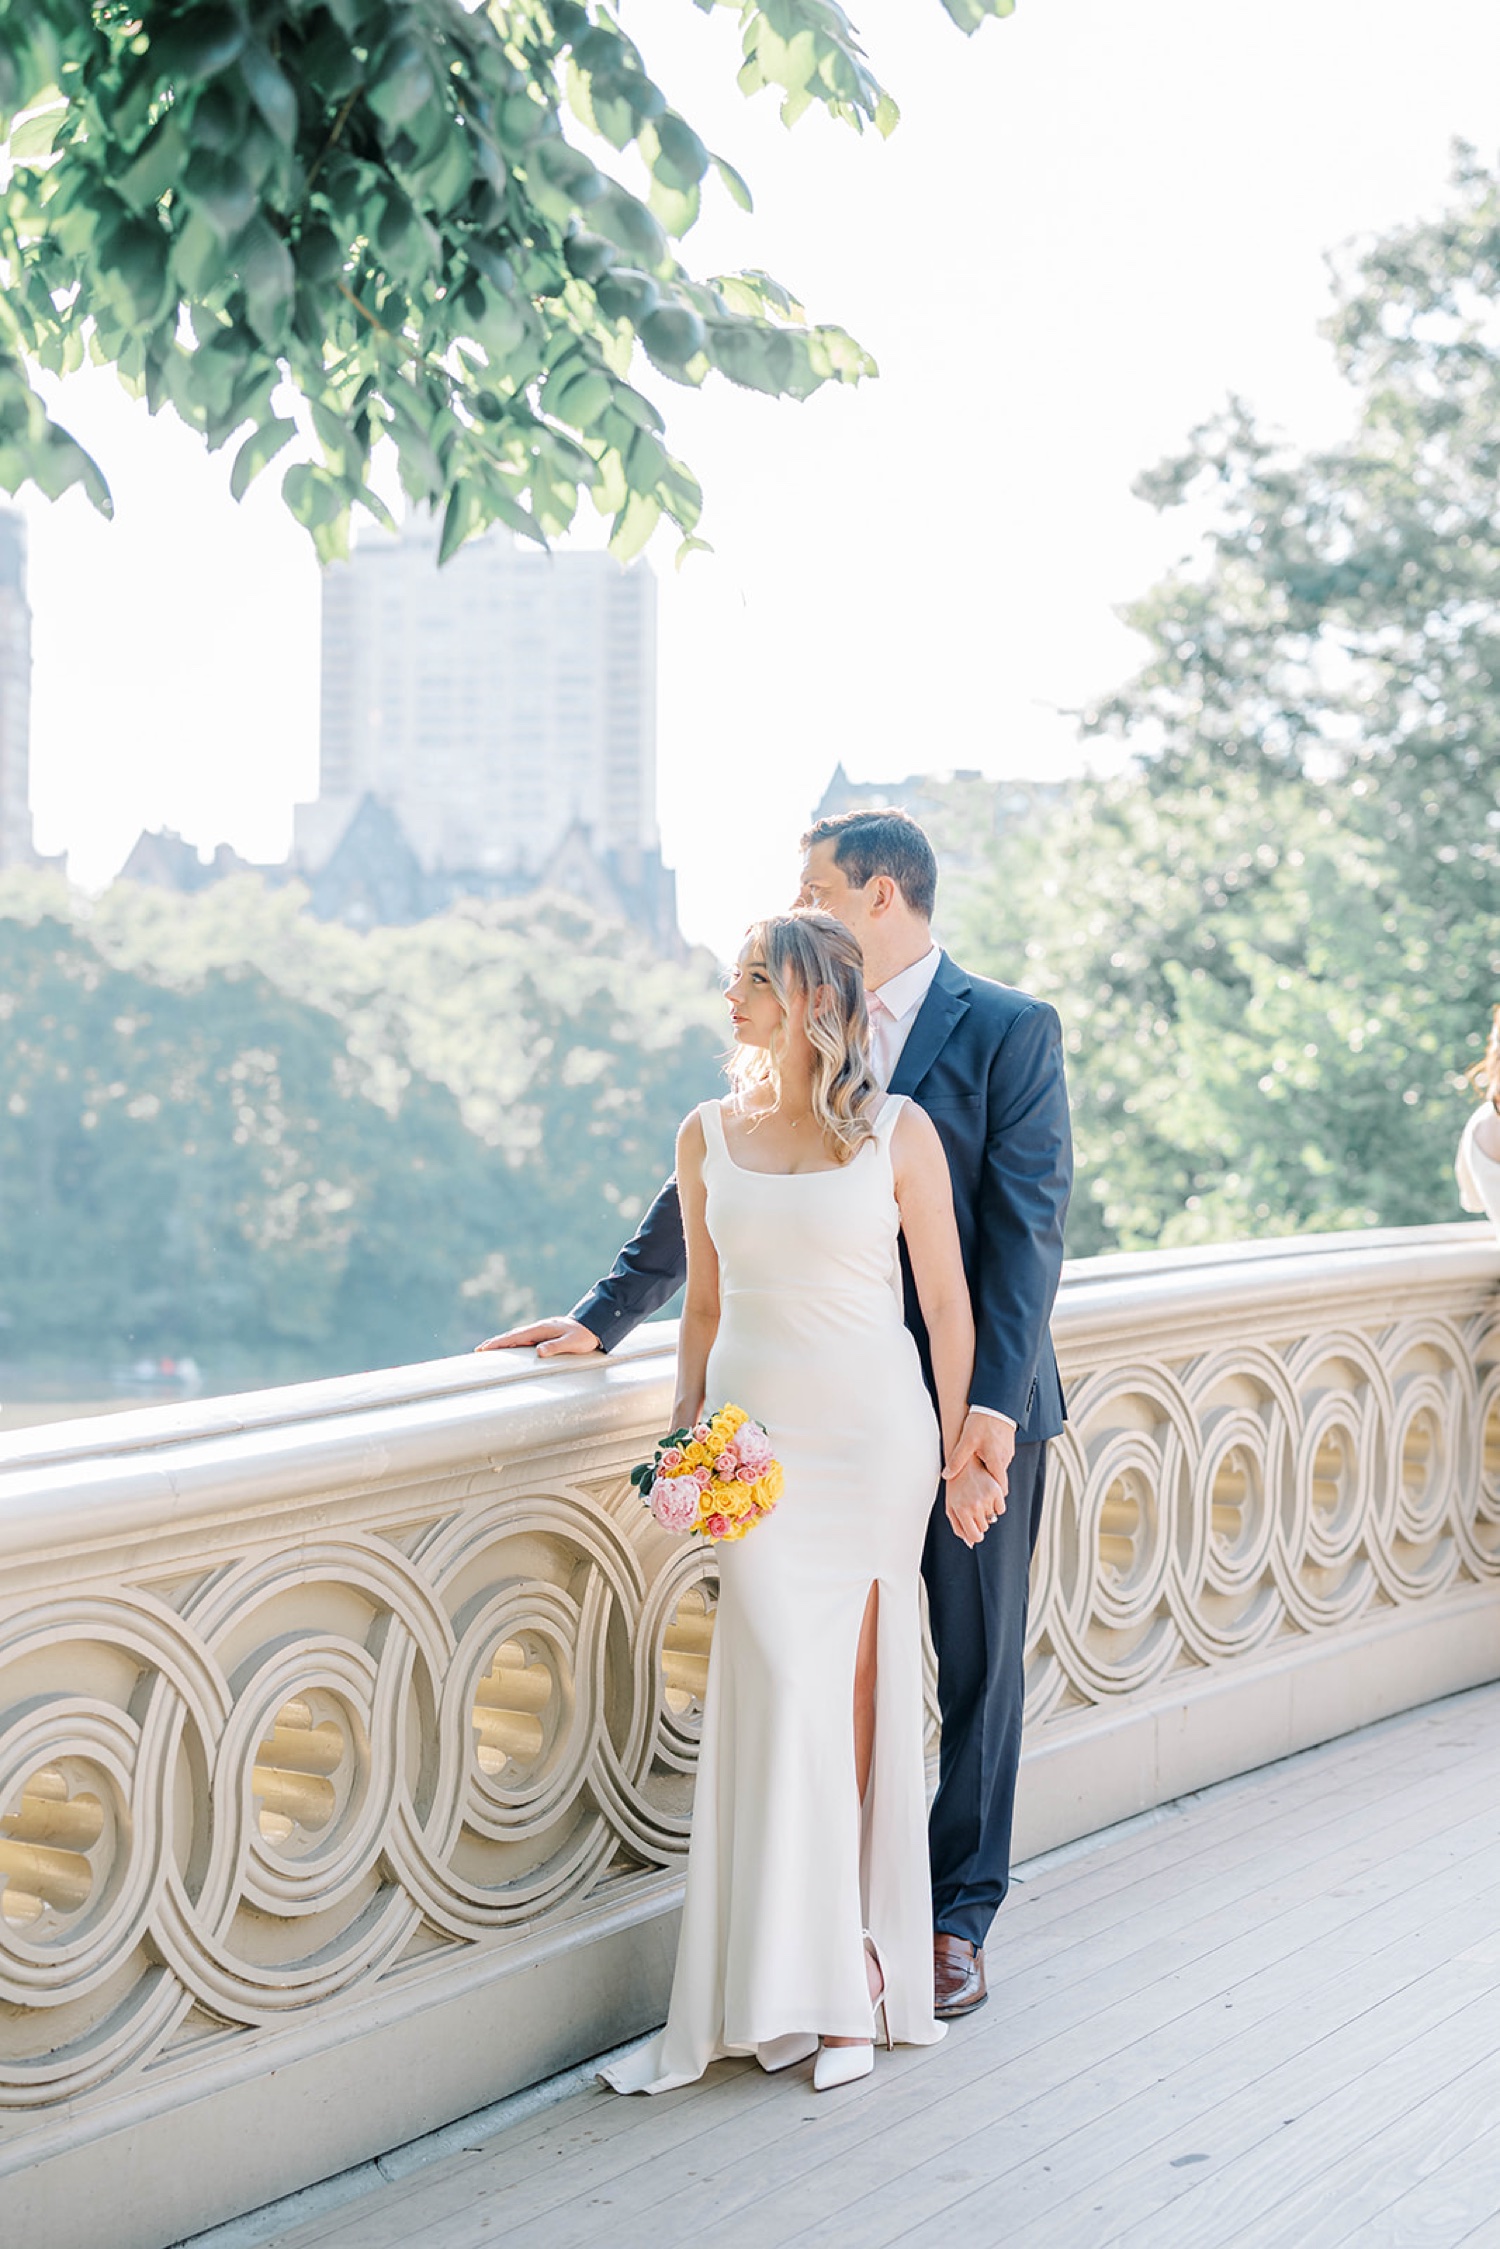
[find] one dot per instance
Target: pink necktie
(882, 1028)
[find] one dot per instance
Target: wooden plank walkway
(1268, 2016)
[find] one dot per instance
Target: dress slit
(862, 1786)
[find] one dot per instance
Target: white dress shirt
(893, 1009)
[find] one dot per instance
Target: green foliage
(236, 1132)
(1342, 620)
(333, 223)
(1264, 1032)
(1274, 940)
(185, 1171)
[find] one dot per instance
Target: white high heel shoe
(845, 2065)
(841, 2065)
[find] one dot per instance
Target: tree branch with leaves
(320, 226)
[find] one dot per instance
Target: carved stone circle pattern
(243, 1793)
(1202, 1509)
(262, 1783)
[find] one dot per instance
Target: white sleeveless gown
(783, 1872)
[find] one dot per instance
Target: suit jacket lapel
(946, 1004)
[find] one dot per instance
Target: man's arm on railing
(649, 1270)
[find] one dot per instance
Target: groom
(985, 1062)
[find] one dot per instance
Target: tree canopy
(236, 1133)
(321, 225)
(1274, 939)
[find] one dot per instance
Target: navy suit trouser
(976, 1601)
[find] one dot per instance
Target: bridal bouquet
(718, 1478)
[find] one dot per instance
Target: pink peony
(718, 1526)
(753, 1445)
(674, 1502)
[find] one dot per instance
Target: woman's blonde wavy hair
(810, 952)
(1484, 1075)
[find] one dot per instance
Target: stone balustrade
(347, 1732)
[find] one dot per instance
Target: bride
(807, 1919)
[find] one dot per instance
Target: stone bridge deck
(1268, 2015)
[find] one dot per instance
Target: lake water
(32, 1413)
(31, 1397)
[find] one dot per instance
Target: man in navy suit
(985, 1061)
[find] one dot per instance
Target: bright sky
(1094, 220)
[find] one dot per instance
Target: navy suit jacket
(985, 1061)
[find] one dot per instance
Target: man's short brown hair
(883, 841)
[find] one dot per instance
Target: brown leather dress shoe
(957, 1976)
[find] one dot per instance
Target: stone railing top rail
(113, 1476)
(1143, 1295)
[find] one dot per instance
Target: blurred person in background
(1477, 1164)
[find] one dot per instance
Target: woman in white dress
(808, 1913)
(1477, 1163)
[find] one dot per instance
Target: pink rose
(701, 1432)
(674, 1502)
(749, 1474)
(726, 1464)
(671, 1458)
(718, 1526)
(702, 1477)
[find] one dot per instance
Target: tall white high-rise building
(493, 705)
(16, 848)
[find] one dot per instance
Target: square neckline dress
(786, 1869)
